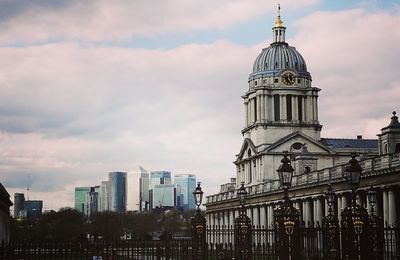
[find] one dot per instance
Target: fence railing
(220, 245)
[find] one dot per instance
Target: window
(296, 146)
(264, 81)
(276, 80)
(397, 148)
(276, 108)
(300, 108)
(298, 80)
(289, 107)
(255, 83)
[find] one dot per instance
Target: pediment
(288, 142)
(247, 148)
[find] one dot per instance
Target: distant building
(144, 200)
(118, 188)
(32, 208)
(186, 184)
(5, 204)
(19, 199)
(164, 195)
(104, 196)
(80, 198)
(91, 202)
(157, 178)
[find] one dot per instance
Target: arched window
(385, 148)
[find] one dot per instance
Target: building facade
(118, 191)
(19, 199)
(281, 114)
(80, 198)
(186, 184)
(157, 178)
(5, 204)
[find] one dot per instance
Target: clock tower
(280, 99)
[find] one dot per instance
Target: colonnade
(312, 209)
(261, 108)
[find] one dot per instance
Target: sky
(89, 87)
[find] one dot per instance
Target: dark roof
(350, 143)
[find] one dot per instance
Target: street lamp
(330, 223)
(286, 216)
(198, 196)
(285, 174)
(371, 195)
(354, 216)
(353, 173)
(330, 198)
(198, 226)
(242, 195)
(243, 229)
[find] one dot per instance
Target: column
(259, 103)
(282, 102)
(392, 207)
(248, 213)
(307, 211)
(269, 108)
(256, 217)
(270, 214)
(263, 216)
(295, 108)
(385, 207)
(339, 207)
(319, 210)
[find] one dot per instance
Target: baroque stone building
(281, 114)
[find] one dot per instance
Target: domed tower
(281, 99)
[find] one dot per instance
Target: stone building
(5, 204)
(281, 114)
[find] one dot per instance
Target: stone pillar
(283, 114)
(248, 213)
(259, 110)
(263, 216)
(295, 110)
(385, 207)
(256, 220)
(318, 210)
(392, 207)
(339, 207)
(270, 214)
(307, 211)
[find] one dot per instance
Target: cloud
(352, 56)
(101, 20)
(70, 113)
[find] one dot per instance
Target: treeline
(67, 224)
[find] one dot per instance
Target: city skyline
(163, 89)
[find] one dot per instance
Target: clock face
(288, 78)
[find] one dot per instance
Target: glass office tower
(80, 198)
(118, 189)
(186, 184)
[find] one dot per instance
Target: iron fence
(220, 245)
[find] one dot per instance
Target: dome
(277, 57)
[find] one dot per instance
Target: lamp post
(286, 216)
(199, 227)
(243, 229)
(354, 217)
(376, 225)
(330, 224)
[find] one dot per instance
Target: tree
(106, 224)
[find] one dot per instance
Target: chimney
(359, 137)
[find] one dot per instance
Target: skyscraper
(19, 199)
(80, 198)
(33, 208)
(164, 195)
(143, 190)
(104, 196)
(118, 188)
(186, 184)
(157, 178)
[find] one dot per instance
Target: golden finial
(278, 21)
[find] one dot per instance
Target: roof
(336, 143)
